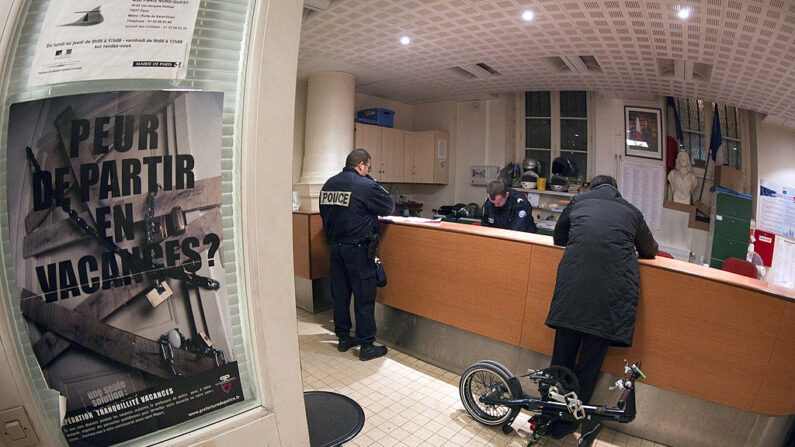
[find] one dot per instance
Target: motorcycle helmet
(558, 183)
(564, 167)
(460, 210)
(475, 210)
(530, 164)
(529, 180)
(510, 174)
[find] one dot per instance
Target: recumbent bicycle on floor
(493, 396)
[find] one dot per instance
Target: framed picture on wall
(643, 132)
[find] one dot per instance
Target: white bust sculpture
(682, 179)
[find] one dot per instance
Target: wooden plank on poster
(116, 344)
(206, 194)
(52, 236)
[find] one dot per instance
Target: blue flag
(679, 138)
(716, 138)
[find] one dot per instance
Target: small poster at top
(114, 39)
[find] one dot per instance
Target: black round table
(332, 418)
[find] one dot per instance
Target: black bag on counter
(380, 273)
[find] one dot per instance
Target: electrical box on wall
(482, 175)
(15, 429)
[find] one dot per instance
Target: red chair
(740, 267)
(664, 254)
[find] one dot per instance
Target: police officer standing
(350, 203)
(507, 208)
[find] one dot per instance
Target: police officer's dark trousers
(353, 271)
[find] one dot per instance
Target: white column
(329, 131)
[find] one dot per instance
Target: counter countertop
(659, 262)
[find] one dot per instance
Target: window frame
(555, 128)
(743, 124)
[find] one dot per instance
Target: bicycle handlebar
(636, 373)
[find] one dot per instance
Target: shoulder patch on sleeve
(519, 200)
(338, 198)
(522, 214)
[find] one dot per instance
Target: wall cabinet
(392, 149)
(427, 157)
(368, 137)
(403, 156)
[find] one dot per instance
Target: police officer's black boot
(346, 343)
(370, 351)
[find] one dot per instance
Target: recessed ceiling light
(405, 40)
(683, 13)
(527, 15)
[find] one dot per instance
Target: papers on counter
(411, 219)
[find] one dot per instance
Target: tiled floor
(408, 402)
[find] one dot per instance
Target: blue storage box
(377, 116)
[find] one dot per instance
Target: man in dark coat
(596, 292)
(507, 208)
(350, 203)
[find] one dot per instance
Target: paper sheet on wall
(776, 208)
(119, 39)
(644, 186)
(784, 262)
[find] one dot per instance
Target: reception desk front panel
(699, 332)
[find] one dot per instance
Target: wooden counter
(699, 331)
(311, 258)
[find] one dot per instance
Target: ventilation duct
(312, 7)
(573, 64)
(591, 64)
(317, 5)
(556, 64)
(475, 71)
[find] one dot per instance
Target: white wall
(472, 150)
(776, 154)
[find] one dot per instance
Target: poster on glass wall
(115, 226)
(643, 132)
(114, 39)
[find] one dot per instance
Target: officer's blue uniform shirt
(350, 205)
(516, 214)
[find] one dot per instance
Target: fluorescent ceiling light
(683, 13)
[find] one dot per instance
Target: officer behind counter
(350, 203)
(507, 208)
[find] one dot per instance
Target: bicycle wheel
(498, 365)
(486, 379)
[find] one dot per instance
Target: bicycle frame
(559, 410)
(558, 401)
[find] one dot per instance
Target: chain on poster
(116, 236)
(113, 39)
